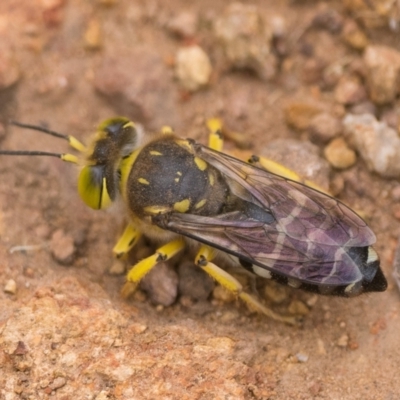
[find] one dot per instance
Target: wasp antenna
(73, 142)
(63, 156)
(39, 129)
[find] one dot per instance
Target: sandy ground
(65, 332)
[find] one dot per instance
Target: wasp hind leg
(143, 267)
(281, 170)
(203, 260)
(215, 140)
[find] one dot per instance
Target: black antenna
(73, 142)
(40, 129)
(29, 153)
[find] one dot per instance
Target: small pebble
(62, 247)
(29, 272)
(10, 287)
(276, 293)
(312, 300)
(324, 127)
(297, 307)
(376, 142)
(354, 36)
(343, 341)
(300, 114)
(161, 284)
(58, 383)
(103, 395)
(365, 107)
(246, 36)
(193, 67)
(194, 282)
(350, 90)
(339, 155)
(301, 357)
(383, 73)
(118, 268)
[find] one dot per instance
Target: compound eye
(92, 187)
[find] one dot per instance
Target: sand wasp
(179, 192)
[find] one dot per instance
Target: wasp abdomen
(166, 177)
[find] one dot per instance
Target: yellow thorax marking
(201, 164)
(143, 181)
(156, 209)
(200, 204)
(182, 206)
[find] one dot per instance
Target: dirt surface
(65, 331)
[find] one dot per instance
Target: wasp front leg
(143, 267)
(203, 260)
(127, 241)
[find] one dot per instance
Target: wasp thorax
(98, 181)
(167, 176)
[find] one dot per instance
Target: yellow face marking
(155, 153)
(129, 124)
(182, 206)
(201, 164)
(143, 181)
(200, 204)
(156, 209)
(211, 179)
(126, 166)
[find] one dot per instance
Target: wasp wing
(309, 237)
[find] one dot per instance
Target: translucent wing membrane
(310, 237)
(302, 213)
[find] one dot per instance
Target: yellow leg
(215, 140)
(204, 255)
(127, 241)
(144, 266)
(278, 169)
(167, 130)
